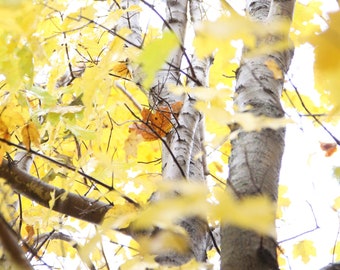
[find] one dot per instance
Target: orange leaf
(30, 135)
(329, 148)
(274, 67)
(30, 234)
(121, 70)
(156, 124)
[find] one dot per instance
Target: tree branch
(10, 243)
(44, 194)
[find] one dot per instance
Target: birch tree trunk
(255, 159)
(185, 142)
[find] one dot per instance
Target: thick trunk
(256, 156)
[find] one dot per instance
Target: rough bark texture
(256, 156)
(16, 256)
(185, 141)
(65, 202)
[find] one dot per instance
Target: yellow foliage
(336, 251)
(233, 27)
(30, 135)
(5, 135)
(249, 122)
(304, 249)
(327, 68)
(254, 213)
(140, 262)
(283, 201)
(336, 205)
(163, 241)
(304, 25)
(120, 215)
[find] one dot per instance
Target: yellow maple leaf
(30, 135)
(304, 249)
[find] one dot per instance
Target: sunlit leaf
(4, 134)
(336, 173)
(336, 205)
(249, 122)
(131, 144)
(227, 28)
(305, 250)
(140, 262)
(336, 251)
(327, 68)
(30, 135)
(120, 216)
(156, 124)
(283, 201)
(255, 213)
(151, 62)
(163, 241)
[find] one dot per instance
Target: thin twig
(130, 97)
(312, 115)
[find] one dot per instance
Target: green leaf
(26, 63)
(155, 54)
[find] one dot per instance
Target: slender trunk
(184, 143)
(256, 156)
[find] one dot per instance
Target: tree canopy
(84, 125)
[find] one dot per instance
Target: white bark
(182, 152)
(131, 20)
(256, 156)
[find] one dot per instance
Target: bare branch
(10, 243)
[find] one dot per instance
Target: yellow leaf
(233, 27)
(336, 173)
(254, 213)
(283, 201)
(250, 122)
(4, 134)
(155, 54)
(66, 109)
(304, 24)
(131, 144)
(163, 241)
(304, 249)
(120, 216)
(30, 134)
(274, 67)
(327, 68)
(336, 251)
(164, 212)
(140, 262)
(336, 205)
